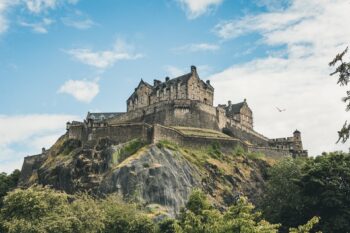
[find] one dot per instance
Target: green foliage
(200, 217)
(307, 227)
(169, 225)
(255, 155)
(68, 146)
(214, 150)
(7, 183)
(124, 218)
(343, 72)
(167, 144)
(299, 189)
(40, 209)
(128, 149)
(238, 151)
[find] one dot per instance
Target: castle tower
(297, 140)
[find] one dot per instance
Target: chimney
(193, 69)
(229, 103)
(156, 82)
(43, 150)
(208, 82)
(167, 79)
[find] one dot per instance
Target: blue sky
(62, 58)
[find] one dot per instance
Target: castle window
(157, 93)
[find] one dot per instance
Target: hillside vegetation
(163, 187)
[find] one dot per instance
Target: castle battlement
(184, 101)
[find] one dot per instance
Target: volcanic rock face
(157, 174)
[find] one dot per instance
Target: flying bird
(280, 110)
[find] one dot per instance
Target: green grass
(189, 131)
(128, 149)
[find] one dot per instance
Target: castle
(182, 110)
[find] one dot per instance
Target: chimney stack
(193, 69)
(167, 79)
(208, 82)
(229, 103)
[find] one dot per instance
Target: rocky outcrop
(160, 174)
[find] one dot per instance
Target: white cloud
(82, 90)
(196, 8)
(173, 71)
(38, 27)
(24, 135)
(37, 6)
(200, 47)
(297, 77)
(78, 20)
(104, 59)
(5, 5)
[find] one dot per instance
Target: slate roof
(99, 116)
(235, 108)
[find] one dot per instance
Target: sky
(60, 59)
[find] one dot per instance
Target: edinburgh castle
(181, 110)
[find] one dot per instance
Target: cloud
(200, 47)
(38, 27)
(78, 21)
(174, 71)
(196, 8)
(27, 134)
(5, 5)
(39, 6)
(107, 58)
(295, 77)
(82, 90)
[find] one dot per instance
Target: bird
(280, 110)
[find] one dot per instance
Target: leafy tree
(282, 202)
(325, 191)
(297, 190)
(124, 218)
(39, 209)
(8, 182)
(343, 72)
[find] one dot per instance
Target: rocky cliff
(158, 175)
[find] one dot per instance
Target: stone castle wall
(173, 113)
(271, 152)
(161, 132)
(123, 132)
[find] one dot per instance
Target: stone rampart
(123, 132)
(271, 152)
(161, 132)
(189, 113)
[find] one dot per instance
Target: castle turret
(297, 140)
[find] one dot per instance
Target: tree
(38, 209)
(282, 202)
(297, 190)
(343, 72)
(8, 182)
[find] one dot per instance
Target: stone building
(239, 112)
(157, 111)
(185, 87)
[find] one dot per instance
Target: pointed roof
(144, 83)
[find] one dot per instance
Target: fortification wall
(78, 132)
(270, 152)
(245, 134)
(175, 112)
(30, 166)
(166, 133)
(123, 132)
